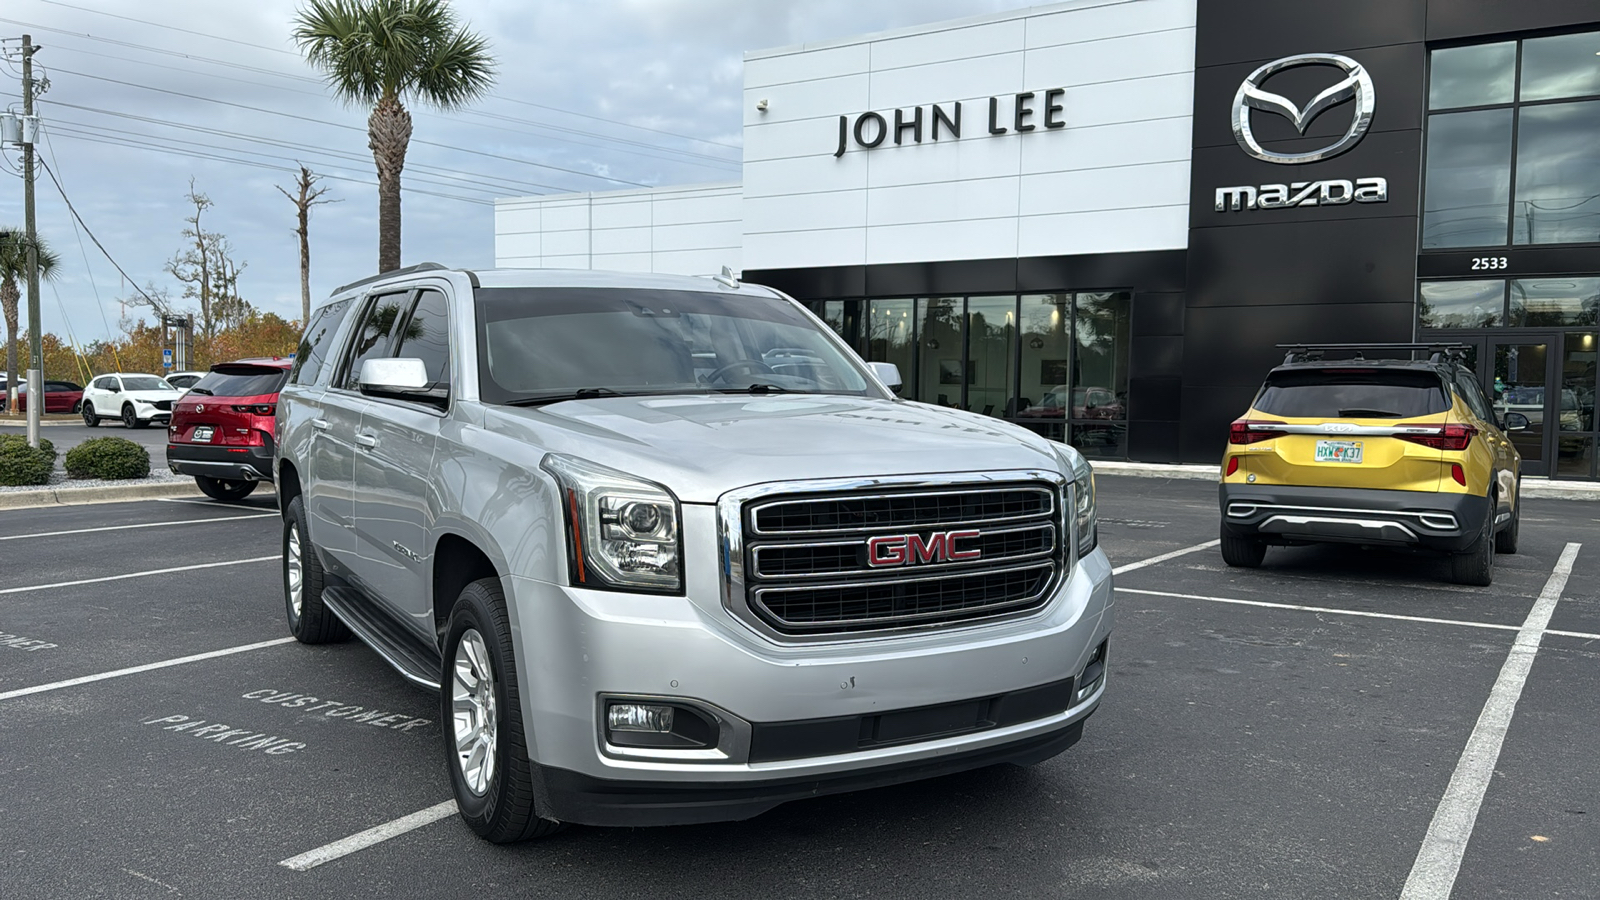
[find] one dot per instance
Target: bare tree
(206, 266)
(228, 309)
(306, 198)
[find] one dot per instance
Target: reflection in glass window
(1472, 76)
(427, 337)
(1468, 183)
(1558, 174)
(372, 337)
(1555, 301)
(939, 376)
(991, 335)
(1563, 66)
(1046, 389)
(1100, 370)
(891, 338)
(1461, 304)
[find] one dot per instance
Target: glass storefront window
(1555, 301)
(1046, 387)
(1461, 304)
(1100, 373)
(1468, 179)
(1472, 76)
(991, 342)
(891, 338)
(1558, 173)
(939, 376)
(1563, 66)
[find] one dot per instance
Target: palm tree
(380, 52)
(14, 265)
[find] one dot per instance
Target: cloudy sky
(592, 95)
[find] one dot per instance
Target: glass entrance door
(1519, 380)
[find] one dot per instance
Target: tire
(130, 419)
(76, 407)
(1505, 540)
(1475, 565)
(224, 490)
(1242, 552)
(310, 622)
(90, 420)
(493, 780)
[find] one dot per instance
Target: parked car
(619, 514)
(184, 380)
(59, 397)
(137, 400)
(222, 429)
(1394, 453)
(1086, 403)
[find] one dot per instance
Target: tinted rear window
(1352, 394)
(242, 382)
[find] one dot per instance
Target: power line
(70, 208)
(216, 37)
(274, 112)
(318, 81)
(82, 251)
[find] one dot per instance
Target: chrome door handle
(320, 424)
(367, 440)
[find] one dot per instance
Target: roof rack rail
(1438, 351)
(408, 270)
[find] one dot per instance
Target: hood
(700, 447)
(155, 395)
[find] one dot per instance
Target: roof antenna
(726, 278)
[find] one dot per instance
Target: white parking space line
(1574, 634)
(211, 503)
(45, 534)
(375, 835)
(1129, 567)
(1322, 609)
(215, 565)
(1433, 875)
(147, 667)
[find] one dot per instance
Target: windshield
(241, 381)
(144, 383)
(550, 342)
(1353, 393)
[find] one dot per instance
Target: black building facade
(1442, 183)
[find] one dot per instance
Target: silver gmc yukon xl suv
(671, 553)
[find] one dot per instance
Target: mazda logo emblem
(1356, 84)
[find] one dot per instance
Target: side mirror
(1515, 421)
(394, 376)
(889, 374)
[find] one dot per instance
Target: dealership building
(1099, 219)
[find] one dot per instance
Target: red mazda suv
(222, 429)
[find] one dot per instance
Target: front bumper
(574, 645)
(1282, 514)
(225, 463)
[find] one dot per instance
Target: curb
(67, 496)
(1538, 488)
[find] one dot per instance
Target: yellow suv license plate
(1339, 451)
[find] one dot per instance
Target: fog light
(1094, 672)
(639, 717)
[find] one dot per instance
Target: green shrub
(109, 458)
(22, 464)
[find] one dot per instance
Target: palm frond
(14, 255)
(370, 49)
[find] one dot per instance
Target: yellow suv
(1381, 452)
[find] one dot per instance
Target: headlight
(1086, 519)
(622, 533)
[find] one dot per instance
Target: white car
(137, 400)
(184, 380)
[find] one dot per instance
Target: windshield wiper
(589, 393)
(1365, 413)
(760, 389)
(200, 390)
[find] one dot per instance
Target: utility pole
(35, 346)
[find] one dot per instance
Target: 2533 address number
(1486, 263)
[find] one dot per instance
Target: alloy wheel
(475, 717)
(294, 572)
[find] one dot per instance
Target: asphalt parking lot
(68, 433)
(1293, 731)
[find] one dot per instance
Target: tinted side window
(317, 342)
(371, 339)
(1354, 394)
(427, 337)
(1468, 386)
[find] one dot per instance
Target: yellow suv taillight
(1447, 437)
(1250, 431)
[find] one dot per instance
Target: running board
(413, 659)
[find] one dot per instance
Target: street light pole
(35, 379)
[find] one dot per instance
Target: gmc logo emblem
(913, 549)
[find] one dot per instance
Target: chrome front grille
(840, 560)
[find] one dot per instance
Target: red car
(222, 430)
(59, 397)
